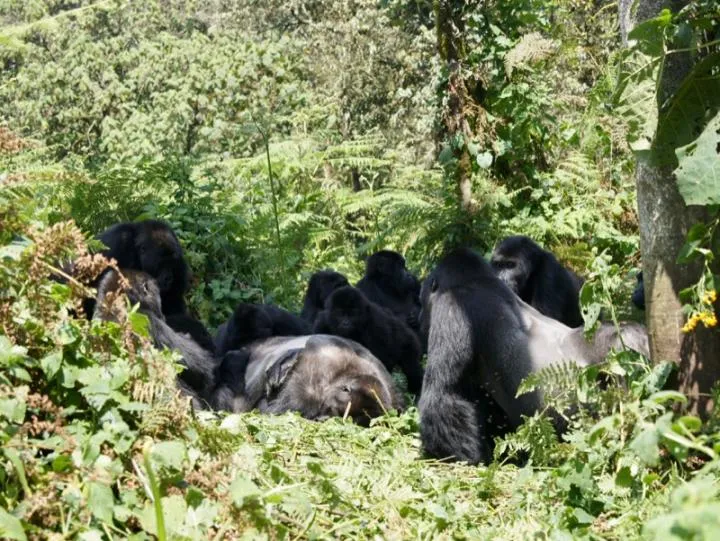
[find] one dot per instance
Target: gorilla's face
(355, 396)
(348, 310)
(161, 256)
(514, 271)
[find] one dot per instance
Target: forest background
(286, 136)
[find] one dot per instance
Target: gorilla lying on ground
(152, 247)
(320, 286)
(351, 315)
(197, 380)
(388, 284)
(537, 277)
(317, 376)
(483, 340)
(251, 322)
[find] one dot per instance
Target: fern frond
(530, 49)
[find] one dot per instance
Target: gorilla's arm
(450, 424)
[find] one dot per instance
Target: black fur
(537, 277)
(251, 322)
(482, 342)
(388, 284)
(317, 376)
(638, 296)
(152, 247)
(184, 324)
(351, 315)
(320, 286)
(197, 379)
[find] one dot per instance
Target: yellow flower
(708, 319)
(691, 323)
(709, 297)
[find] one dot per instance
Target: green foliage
(697, 175)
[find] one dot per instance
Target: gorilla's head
(139, 287)
(161, 255)
(323, 283)
(513, 261)
(348, 311)
(387, 268)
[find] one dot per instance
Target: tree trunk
(664, 223)
(450, 28)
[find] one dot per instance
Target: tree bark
(664, 223)
(450, 28)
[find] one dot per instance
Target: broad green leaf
(698, 171)
(169, 454)
(11, 527)
(242, 489)
(51, 363)
(100, 501)
(645, 445)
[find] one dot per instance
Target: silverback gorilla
(152, 247)
(317, 376)
(320, 286)
(483, 341)
(390, 285)
(351, 315)
(537, 277)
(197, 379)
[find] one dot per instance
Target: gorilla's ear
(433, 285)
(277, 373)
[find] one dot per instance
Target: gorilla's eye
(506, 264)
(346, 389)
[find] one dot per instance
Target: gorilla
(483, 341)
(197, 379)
(388, 284)
(251, 322)
(185, 324)
(537, 277)
(638, 296)
(152, 247)
(317, 376)
(320, 286)
(351, 315)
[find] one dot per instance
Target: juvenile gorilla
(197, 379)
(152, 247)
(388, 284)
(252, 322)
(317, 376)
(351, 315)
(537, 277)
(483, 341)
(320, 286)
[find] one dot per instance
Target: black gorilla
(351, 315)
(317, 376)
(537, 277)
(638, 296)
(320, 286)
(185, 324)
(388, 284)
(197, 379)
(483, 340)
(152, 247)
(255, 321)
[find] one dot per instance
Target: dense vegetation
(286, 136)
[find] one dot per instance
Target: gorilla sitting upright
(390, 285)
(351, 315)
(482, 342)
(539, 279)
(152, 247)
